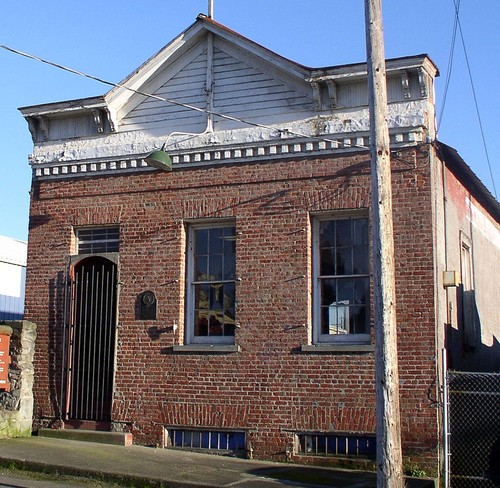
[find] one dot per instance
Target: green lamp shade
(159, 159)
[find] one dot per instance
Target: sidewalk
(145, 466)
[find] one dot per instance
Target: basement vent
(232, 441)
(98, 240)
(337, 444)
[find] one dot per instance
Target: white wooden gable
(216, 97)
(246, 81)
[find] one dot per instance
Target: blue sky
(110, 39)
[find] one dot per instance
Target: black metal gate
(91, 340)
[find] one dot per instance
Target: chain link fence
(474, 429)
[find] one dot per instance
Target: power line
(181, 104)
(477, 107)
(450, 65)
(469, 71)
(169, 100)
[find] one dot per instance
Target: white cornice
(64, 108)
(267, 151)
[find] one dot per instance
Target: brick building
(226, 304)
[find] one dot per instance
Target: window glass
(342, 285)
(360, 262)
(201, 267)
(343, 233)
(327, 263)
(215, 267)
(327, 234)
(218, 440)
(98, 240)
(211, 292)
(360, 232)
(344, 261)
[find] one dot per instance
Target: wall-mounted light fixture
(159, 159)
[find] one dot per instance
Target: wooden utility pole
(389, 456)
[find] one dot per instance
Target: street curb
(107, 477)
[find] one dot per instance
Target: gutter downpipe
(209, 90)
(209, 86)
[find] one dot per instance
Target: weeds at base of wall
(414, 471)
(10, 432)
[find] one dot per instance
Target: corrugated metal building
(12, 278)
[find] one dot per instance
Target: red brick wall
(270, 388)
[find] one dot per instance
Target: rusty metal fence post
(446, 421)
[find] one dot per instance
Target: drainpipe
(444, 381)
(209, 88)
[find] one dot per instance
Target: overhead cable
(169, 100)
(450, 64)
(469, 71)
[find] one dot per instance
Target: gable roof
(206, 42)
(182, 75)
(468, 178)
(235, 100)
(186, 40)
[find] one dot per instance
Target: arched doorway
(92, 333)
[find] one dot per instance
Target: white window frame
(190, 338)
(338, 338)
(470, 333)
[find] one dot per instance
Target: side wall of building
(272, 389)
(473, 251)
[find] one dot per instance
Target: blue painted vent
(206, 439)
(321, 444)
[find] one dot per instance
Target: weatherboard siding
(188, 87)
(240, 91)
(67, 127)
(244, 91)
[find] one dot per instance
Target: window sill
(344, 348)
(207, 348)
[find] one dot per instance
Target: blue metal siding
(12, 308)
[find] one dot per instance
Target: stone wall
(16, 405)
